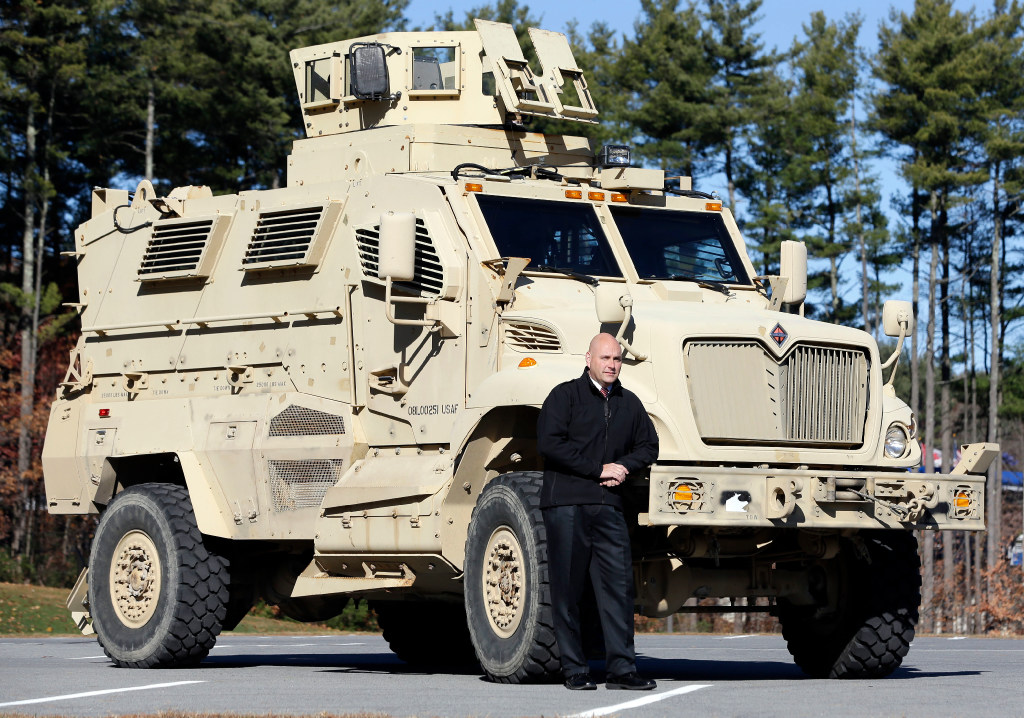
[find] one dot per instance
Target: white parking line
(729, 638)
(958, 638)
(652, 698)
(88, 694)
(84, 658)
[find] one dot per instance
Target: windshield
(563, 235)
(686, 245)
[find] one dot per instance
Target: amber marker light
(104, 413)
(962, 500)
(619, 197)
(596, 196)
(713, 206)
(683, 493)
(574, 193)
(527, 363)
(474, 187)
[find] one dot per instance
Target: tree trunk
(928, 578)
(28, 350)
(865, 282)
(995, 475)
(150, 130)
(915, 298)
(949, 601)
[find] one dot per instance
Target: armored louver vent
(183, 248)
(429, 278)
(525, 337)
(300, 421)
(302, 484)
(290, 237)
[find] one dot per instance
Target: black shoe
(580, 682)
(630, 682)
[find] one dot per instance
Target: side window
(435, 71)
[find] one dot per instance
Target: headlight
(896, 441)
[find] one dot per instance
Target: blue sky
(781, 20)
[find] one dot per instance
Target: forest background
(901, 167)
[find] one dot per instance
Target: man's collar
(597, 384)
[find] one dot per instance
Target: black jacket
(579, 431)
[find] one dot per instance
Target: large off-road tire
(158, 596)
(426, 633)
(508, 602)
(867, 630)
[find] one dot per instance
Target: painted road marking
(729, 638)
(652, 698)
(89, 694)
(84, 658)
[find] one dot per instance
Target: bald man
(593, 434)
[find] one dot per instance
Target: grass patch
(34, 610)
(40, 610)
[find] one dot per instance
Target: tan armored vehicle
(330, 390)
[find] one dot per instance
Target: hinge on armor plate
(79, 374)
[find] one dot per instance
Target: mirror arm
(894, 360)
(627, 304)
(389, 302)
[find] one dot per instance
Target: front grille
(741, 393)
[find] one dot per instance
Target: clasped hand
(614, 474)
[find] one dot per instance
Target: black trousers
(591, 540)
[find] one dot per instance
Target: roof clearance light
(574, 193)
(614, 156)
(596, 196)
(474, 187)
(619, 197)
(527, 363)
(713, 206)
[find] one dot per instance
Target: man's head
(604, 359)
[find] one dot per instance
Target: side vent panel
(527, 337)
(184, 248)
(302, 484)
(295, 237)
(429, 278)
(300, 421)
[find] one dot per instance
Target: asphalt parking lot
(697, 675)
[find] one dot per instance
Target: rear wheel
(508, 602)
(158, 596)
(867, 628)
(426, 632)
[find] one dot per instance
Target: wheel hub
(135, 579)
(503, 581)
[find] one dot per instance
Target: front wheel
(867, 629)
(508, 602)
(158, 596)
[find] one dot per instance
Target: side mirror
(896, 313)
(368, 71)
(793, 266)
(397, 248)
(607, 300)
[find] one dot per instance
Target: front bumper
(821, 498)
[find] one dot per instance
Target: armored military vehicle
(329, 391)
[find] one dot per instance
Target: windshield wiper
(705, 283)
(586, 278)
